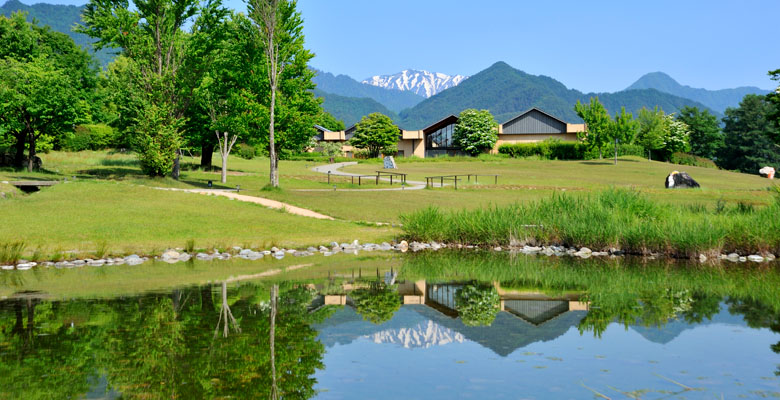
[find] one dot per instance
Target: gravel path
(231, 194)
(334, 170)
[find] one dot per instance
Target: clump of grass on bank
(613, 218)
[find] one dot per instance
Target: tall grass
(10, 253)
(613, 218)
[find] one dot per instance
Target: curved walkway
(334, 170)
(230, 193)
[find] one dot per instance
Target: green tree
(774, 116)
(476, 131)
(624, 127)
(327, 120)
(597, 123)
(376, 133)
(281, 37)
(677, 137)
(652, 130)
(746, 131)
(705, 135)
(35, 99)
(477, 305)
(151, 37)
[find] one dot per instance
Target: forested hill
(342, 85)
(61, 18)
(351, 109)
(717, 100)
(506, 91)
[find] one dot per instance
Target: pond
(446, 325)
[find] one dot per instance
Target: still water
(425, 328)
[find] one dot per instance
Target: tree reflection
(377, 303)
(758, 315)
(477, 305)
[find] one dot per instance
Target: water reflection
(523, 332)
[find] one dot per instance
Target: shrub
(89, 137)
(554, 149)
(692, 160)
(246, 151)
(477, 305)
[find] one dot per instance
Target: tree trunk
(206, 155)
(601, 156)
(21, 140)
(272, 148)
(272, 334)
(206, 301)
(176, 166)
(31, 154)
(224, 167)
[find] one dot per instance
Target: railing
(429, 180)
(391, 175)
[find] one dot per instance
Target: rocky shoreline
(173, 256)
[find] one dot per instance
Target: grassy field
(110, 204)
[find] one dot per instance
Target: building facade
(533, 125)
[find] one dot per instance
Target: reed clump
(614, 218)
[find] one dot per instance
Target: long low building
(533, 125)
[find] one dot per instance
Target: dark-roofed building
(535, 125)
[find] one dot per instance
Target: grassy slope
(115, 209)
(130, 218)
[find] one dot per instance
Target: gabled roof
(452, 119)
(321, 128)
(524, 113)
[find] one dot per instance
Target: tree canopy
(747, 131)
(376, 133)
(476, 131)
(597, 123)
(705, 135)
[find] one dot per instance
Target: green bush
(477, 305)
(89, 137)
(553, 149)
(690, 159)
(246, 151)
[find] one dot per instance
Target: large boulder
(767, 172)
(680, 180)
(7, 160)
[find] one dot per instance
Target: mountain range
(718, 100)
(506, 91)
(343, 85)
(423, 83)
(61, 18)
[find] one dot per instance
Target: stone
(311, 250)
(385, 246)
(203, 256)
(770, 257)
(389, 163)
(334, 244)
(702, 258)
(274, 249)
(170, 255)
(323, 249)
(266, 252)
(327, 254)
(742, 259)
(184, 257)
(680, 180)
(355, 243)
(6, 267)
(767, 172)
(403, 246)
(79, 263)
(733, 257)
(279, 254)
(585, 250)
(134, 261)
(497, 248)
(245, 252)
(755, 258)
(24, 266)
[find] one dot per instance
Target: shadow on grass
(113, 173)
(205, 185)
(120, 163)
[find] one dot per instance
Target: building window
(441, 139)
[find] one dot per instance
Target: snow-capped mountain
(423, 83)
(423, 335)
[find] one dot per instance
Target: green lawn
(110, 203)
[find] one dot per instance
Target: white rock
(755, 258)
(327, 254)
(498, 248)
(245, 252)
(733, 257)
(403, 246)
(6, 267)
(702, 258)
(170, 255)
(742, 259)
(24, 266)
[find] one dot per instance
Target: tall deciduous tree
(376, 133)
(705, 135)
(476, 131)
(151, 37)
(597, 123)
(281, 34)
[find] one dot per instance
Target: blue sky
(587, 45)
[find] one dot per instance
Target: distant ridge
(506, 91)
(351, 109)
(61, 18)
(343, 85)
(718, 100)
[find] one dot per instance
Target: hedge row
(555, 150)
